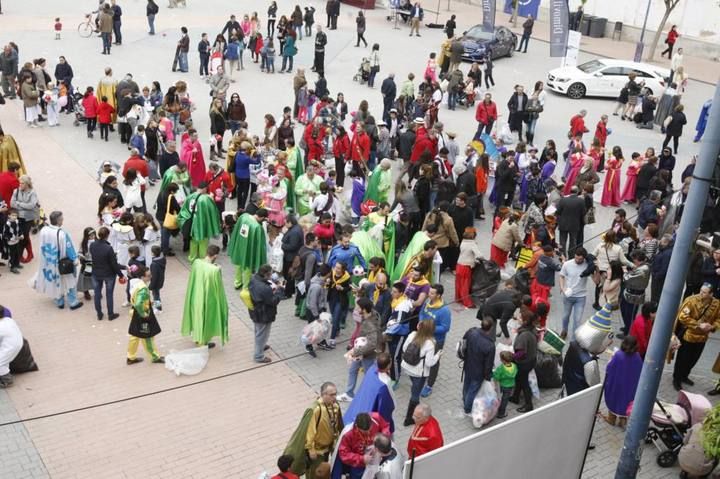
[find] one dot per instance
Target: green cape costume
(388, 249)
(247, 248)
(378, 185)
(206, 309)
(296, 168)
(303, 187)
(205, 220)
(180, 179)
(404, 263)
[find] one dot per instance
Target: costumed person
(419, 252)
(191, 154)
(611, 189)
(206, 308)
(469, 255)
(248, 246)
(306, 187)
(352, 455)
(622, 376)
(199, 220)
(379, 184)
(295, 161)
(107, 87)
(380, 227)
(628, 193)
(375, 393)
(11, 342)
(580, 368)
(575, 162)
(9, 152)
(179, 175)
(426, 435)
(57, 276)
(143, 323)
(699, 127)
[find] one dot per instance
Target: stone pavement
(212, 429)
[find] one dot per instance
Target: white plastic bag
(188, 361)
(316, 331)
(534, 388)
(513, 325)
(499, 348)
(485, 406)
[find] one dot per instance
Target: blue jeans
(353, 373)
(117, 32)
(287, 61)
(506, 393)
(416, 388)
(106, 42)
(109, 289)
(531, 127)
(299, 31)
(339, 313)
(574, 306)
(452, 99)
(183, 61)
(151, 23)
(164, 240)
(262, 334)
(470, 390)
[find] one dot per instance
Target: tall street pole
(670, 299)
(640, 46)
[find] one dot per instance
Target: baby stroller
(363, 73)
(670, 422)
(78, 107)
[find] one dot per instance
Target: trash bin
(597, 27)
(585, 24)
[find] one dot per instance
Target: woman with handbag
(535, 106)
(605, 253)
(635, 282)
(167, 211)
(517, 105)
(143, 323)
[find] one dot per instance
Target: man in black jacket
(309, 260)
(389, 92)
(292, 241)
(231, 26)
(463, 217)
(505, 181)
(406, 143)
(117, 22)
(478, 364)
(571, 220)
(265, 296)
(104, 270)
(500, 307)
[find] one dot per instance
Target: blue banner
(559, 26)
(525, 7)
(488, 9)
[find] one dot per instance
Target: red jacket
(140, 166)
(486, 113)
(641, 329)
(285, 475)
(341, 146)
(672, 37)
(422, 143)
(217, 181)
(425, 438)
(577, 125)
(90, 104)
(104, 112)
(354, 443)
(315, 145)
(601, 132)
(360, 147)
(8, 183)
(326, 234)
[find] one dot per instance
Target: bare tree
(669, 7)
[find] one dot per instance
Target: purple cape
(621, 380)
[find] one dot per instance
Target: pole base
(639, 47)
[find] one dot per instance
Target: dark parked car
(477, 42)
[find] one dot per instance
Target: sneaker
(427, 391)
(311, 351)
(344, 397)
(500, 416)
(76, 306)
(113, 316)
(331, 343)
(264, 360)
(688, 381)
(14, 270)
(395, 385)
(126, 304)
(524, 409)
(160, 360)
(130, 362)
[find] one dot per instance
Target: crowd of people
(361, 218)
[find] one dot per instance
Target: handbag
(590, 216)
(170, 222)
(534, 106)
(65, 265)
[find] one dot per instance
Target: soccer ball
(358, 271)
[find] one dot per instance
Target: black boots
(409, 414)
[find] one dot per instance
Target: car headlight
(561, 79)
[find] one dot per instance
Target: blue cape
(373, 396)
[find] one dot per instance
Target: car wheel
(576, 91)
(511, 50)
(649, 91)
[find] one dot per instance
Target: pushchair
(670, 422)
(78, 107)
(363, 74)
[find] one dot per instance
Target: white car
(605, 77)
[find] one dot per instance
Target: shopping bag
(524, 257)
(547, 370)
(316, 331)
(188, 361)
(485, 406)
(534, 388)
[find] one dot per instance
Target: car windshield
(591, 66)
(477, 32)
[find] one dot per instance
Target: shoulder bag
(65, 265)
(170, 222)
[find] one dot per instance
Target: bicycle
(86, 28)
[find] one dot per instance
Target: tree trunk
(659, 33)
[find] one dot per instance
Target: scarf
(342, 279)
(394, 303)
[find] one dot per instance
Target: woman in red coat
(341, 152)
(670, 40)
(314, 137)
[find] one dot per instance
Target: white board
(547, 443)
(573, 48)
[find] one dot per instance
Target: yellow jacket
(323, 429)
(693, 312)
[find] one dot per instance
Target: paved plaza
(238, 424)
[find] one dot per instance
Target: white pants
(52, 114)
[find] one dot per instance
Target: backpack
(461, 349)
(411, 355)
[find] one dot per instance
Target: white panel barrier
(547, 443)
